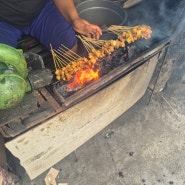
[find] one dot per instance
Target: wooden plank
(3, 162)
(50, 99)
(48, 108)
(31, 113)
(46, 144)
(13, 129)
(25, 107)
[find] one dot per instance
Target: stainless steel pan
(102, 12)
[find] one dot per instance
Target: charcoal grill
(49, 101)
(136, 54)
(83, 114)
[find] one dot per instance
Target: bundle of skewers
(67, 63)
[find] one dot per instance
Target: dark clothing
(49, 27)
(20, 13)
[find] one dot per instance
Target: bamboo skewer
(90, 43)
(63, 56)
(68, 55)
(88, 46)
(68, 50)
(67, 62)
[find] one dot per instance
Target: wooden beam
(3, 162)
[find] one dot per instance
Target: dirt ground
(146, 145)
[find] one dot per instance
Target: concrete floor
(146, 145)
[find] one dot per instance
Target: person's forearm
(67, 9)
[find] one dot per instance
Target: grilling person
(52, 22)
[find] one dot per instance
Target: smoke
(161, 15)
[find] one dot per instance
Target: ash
(117, 58)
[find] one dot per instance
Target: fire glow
(83, 77)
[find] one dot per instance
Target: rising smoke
(159, 14)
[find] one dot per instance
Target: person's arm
(68, 10)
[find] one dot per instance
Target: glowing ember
(83, 77)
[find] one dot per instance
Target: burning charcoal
(120, 56)
(133, 50)
(62, 89)
(117, 58)
(105, 65)
(80, 80)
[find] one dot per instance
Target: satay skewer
(129, 35)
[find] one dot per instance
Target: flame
(83, 77)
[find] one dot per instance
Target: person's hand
(84, 27)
